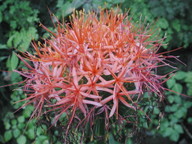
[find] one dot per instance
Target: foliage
(19, 129)
(172, 17)
(174, 115)
(20, 28)
(64, 8)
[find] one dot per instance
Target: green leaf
(189, 86)
(173, 119)
(3, 46)
(180, 113)
(21, 126)
(13, 24)
(174, 108)
(171, 99)
(39, 131)
(21, 139)
(176, 25)
(3, 58)
(171, 82)
(21, 119)
(112, 140)
(177, 88)
(145, 125)
(28, 35)
(42, 138)
(180, 75)
(178, 128)
(21, 39)
(163, 23)
(188, 78)
(7, 125)
(129, 141)
(178, 99)
(168, 132)
(14, 61)
(156, 110)
(189, 120)
(31, 133)
(31, 124)
(8, 135)
(45, 142)
(164, 125)
(16, 133)
(28, 110)
(174, 136)
(188, 104)
(56, 133)
(63, 7)
(15, 77)
(168, 109)
(146, 95)
(10, 41)
(44, 127)
(13, 122)
(18, 38)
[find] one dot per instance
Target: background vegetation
(19, 24)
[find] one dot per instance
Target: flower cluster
(94, 61)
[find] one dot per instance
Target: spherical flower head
(96, 61)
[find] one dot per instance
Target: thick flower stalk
(94, 61)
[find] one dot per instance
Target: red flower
(93, 62)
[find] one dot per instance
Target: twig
(187, 131)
